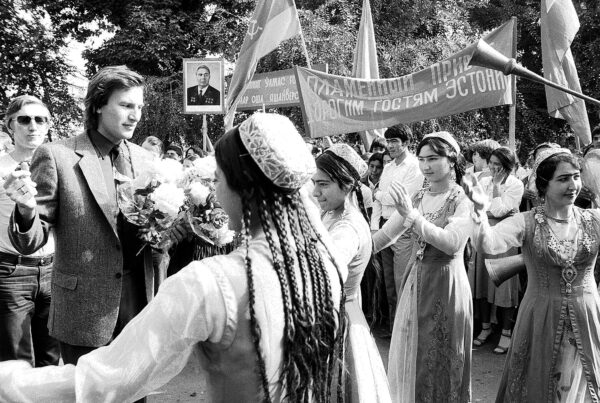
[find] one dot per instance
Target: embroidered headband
(447, 137)
(350, 157)
(278, 149)
(546, 153)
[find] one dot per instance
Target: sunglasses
(25, 120)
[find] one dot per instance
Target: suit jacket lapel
(92, 172)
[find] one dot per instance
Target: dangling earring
(453, 175)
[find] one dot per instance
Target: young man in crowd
(24, 280)
(404, 169)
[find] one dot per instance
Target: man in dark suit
(100, 282)
(203, 93)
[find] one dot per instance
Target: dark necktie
(120, 160)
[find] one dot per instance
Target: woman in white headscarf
(337, 190)
(430, 351)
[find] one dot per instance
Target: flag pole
(512, 109)
(302, 41)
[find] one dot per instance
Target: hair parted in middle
(443, 148)
(314, 329)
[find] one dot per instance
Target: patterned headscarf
(278, 149)
(447, 137)
(350, 157)
(546, 153)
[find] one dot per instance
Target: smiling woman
(554, 349)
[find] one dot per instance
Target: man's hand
(179, 232)
(21, 189)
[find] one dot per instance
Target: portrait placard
(203, 86)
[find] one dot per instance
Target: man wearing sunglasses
(100, 282)
(24, 280)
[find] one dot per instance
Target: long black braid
(312, 322)
(254, 327)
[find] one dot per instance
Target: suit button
(118, 275)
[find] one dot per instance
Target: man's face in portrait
(203, 77)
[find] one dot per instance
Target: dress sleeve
(509, 200)
(452, 238)
(197, 304)
(508, 233)
(390, 232)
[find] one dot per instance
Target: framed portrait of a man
(203, 86)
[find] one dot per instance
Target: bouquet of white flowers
(153, 200)
(207, 219)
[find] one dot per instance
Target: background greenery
(153, 37)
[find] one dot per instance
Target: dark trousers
(24, 308)
(133, 300)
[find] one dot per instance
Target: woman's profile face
(229, 199)
(433, 166)
(564, 186)
(328, 192)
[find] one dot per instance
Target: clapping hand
(474, 192)
(401, 199)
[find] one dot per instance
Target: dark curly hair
(314, 329)
(545, 171)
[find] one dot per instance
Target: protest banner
(273, 90)
(334, 104)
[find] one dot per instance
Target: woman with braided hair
(430, 351)
(337, 189)
(266, 320)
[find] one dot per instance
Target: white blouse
(511, 192)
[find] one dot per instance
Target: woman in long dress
(555, 349)
(505, 192)
(430, 351)
(337, 190)
(266, 319)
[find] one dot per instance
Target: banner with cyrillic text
(335, 104)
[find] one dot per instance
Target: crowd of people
(335, 245)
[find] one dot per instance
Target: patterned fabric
(278, 150)
(561, 306)
(547, 153)
(447, 137)
(347, 153)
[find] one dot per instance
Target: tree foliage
(152, 37)
(32, 61)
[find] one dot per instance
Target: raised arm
(196, 305)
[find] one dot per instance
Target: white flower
(223, 236)
(203, 168)
(169, 170)
(168, 199)
(199, 193)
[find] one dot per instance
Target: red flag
(559, 25)
(365, 61)
(273, 22)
